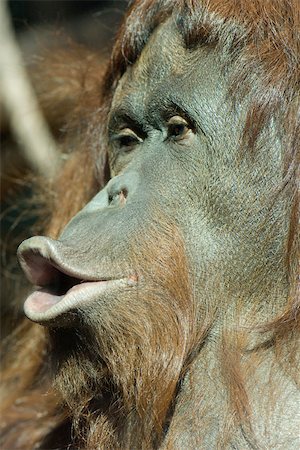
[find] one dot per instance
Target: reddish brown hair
(253, 37)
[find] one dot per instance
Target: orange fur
(254, 36)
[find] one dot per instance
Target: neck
(235, 389)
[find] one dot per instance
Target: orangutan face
(175, 157)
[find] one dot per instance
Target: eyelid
(121, 120)
(175, 111)
(178, 120)
(124, 132)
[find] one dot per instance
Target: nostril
(123, 196)
(118, 198)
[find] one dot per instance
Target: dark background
(92, 23)
(43, 12)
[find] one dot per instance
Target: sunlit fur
(110, 408)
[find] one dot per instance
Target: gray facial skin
(218, 194)
(193, 170)
(175, 149)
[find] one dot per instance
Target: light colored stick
(18, 98)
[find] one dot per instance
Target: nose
(121, 188)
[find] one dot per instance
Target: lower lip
(41, 305)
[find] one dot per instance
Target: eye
(126, 139)
(178, 128)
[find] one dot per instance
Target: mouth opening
(61, 284)
(46, 274)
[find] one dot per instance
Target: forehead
(167, 69)
(161, 55)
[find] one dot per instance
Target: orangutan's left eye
(178, 128)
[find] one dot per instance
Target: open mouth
(59, 289)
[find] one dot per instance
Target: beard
(125, 358)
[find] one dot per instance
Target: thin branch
(20, 103)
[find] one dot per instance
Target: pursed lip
(62, 286)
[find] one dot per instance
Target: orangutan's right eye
(126, 139)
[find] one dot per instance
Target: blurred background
(38, 26)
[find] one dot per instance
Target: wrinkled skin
(200, 178)
(175, 147)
